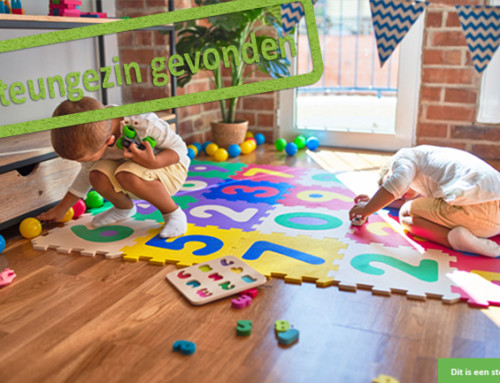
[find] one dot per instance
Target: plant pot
(225, 134)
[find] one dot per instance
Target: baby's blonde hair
(74, 142)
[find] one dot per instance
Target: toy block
(288, 337)
(17, 11)
(185, 347)
(16, 4)
(252, 293)
(6, 277)
(100, 15)
(241, 302)
(281, 326)
(65, 12)
(244, 328)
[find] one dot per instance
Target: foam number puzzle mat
(215, 279)
(290, 223)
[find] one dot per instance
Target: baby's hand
(357, 214)
(144, 157)
(53, 215)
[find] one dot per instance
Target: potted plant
(234, 29)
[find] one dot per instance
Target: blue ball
(191, 153)
(291, 148)
(259, 138)
(234, 150)
(312, 143)
(198, 146)
(2, 243)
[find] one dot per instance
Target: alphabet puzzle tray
(285, 222)
(215, 279)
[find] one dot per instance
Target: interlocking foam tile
(250, 191)
(227, 214)
(401, 270)
(270, 173)
(334, 198)
(295, 259)
(315, 223)
(478, 291)
(214, 169)
(317, 177)
(382, 230)
(196, 183)
(80, 236)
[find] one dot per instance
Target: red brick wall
(449, 93)
(194, 121)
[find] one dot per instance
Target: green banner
(16, 92)
(469, 370)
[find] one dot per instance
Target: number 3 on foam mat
(426, 271)
(211, 244)
(259, 247)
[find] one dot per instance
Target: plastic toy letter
(167, 102)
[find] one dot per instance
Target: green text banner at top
(167, 102)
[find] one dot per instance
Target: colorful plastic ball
(246, 147)
(194, 149)
(94, 200)
(79, 208)
(68, 216)
(211, 149)
(198, 146)
(191, 153)
(234, 150)
(253, 142)
(260, 138)
(2, 243)
(248, 135)
(312, 143)
(205, 144)
(30, 228)
(291, 148)
(280, 144)
(300, 141)
(221, 155)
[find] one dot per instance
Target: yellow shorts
(172, 177)
(482, 219)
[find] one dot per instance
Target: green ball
(280, 144)
(94, 200)
(300, 141)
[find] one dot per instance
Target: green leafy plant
(231, 29)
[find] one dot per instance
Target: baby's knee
(99, 180)
(128, 181)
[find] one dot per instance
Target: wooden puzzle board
(291, 223)
(215, 279)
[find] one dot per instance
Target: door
(356, 104)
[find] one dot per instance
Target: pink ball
(79, 208)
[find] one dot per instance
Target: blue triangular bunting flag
(291, 13)
(481, 25)
(392, 19)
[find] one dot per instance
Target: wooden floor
(69, 318)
